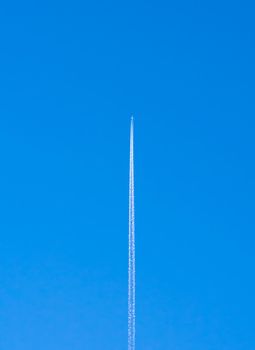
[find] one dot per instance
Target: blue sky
(71, 75)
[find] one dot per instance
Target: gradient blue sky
(71, 74)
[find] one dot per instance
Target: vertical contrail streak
(131, 247)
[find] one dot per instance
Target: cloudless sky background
(71, 75)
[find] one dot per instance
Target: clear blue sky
(71, 75)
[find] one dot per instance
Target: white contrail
(131, 247)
